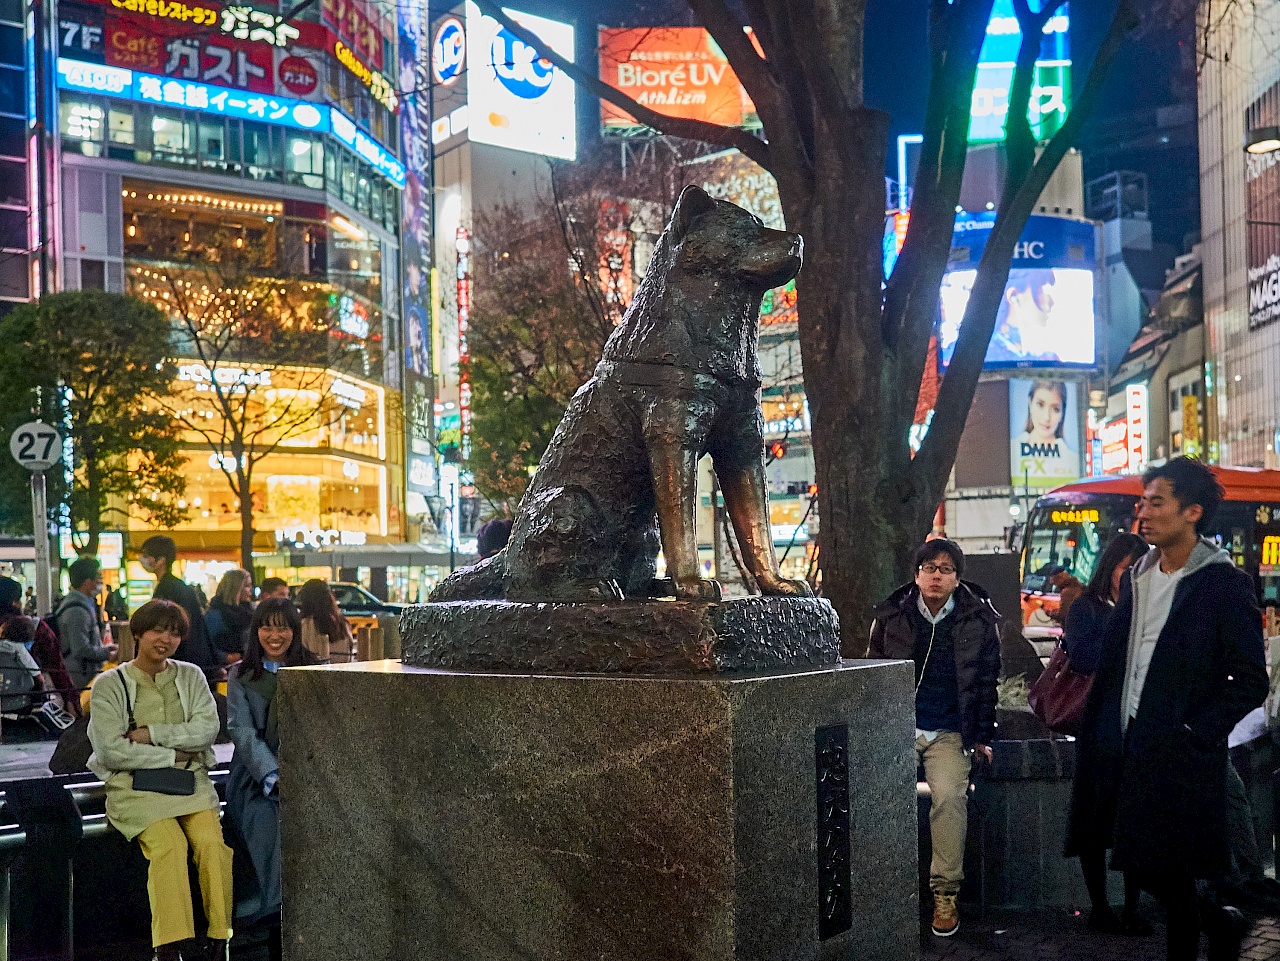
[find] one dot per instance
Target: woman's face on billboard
(1046, 413)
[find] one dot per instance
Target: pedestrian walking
(950, 629)
(253, 797)
(230, 611)
(319, 609)
(273, 587)
(155, 714)
(1182, 663)
(1084, 633)
(157, 556)
(79, 623)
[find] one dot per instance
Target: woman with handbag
(152, 723)
(1093, 796)
(253, 797)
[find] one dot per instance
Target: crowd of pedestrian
(1168, 637)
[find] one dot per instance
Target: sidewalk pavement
(1061, 936)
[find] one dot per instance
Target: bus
(1070, 527)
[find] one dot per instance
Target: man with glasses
(949, 628)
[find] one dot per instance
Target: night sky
(1154, 79)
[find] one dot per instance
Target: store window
(93, 275)
(304, 162)
(83, 121)
(263, 149)
(213, 143)
(171, 137)
(120, 125)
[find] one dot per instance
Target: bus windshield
(1071, 537)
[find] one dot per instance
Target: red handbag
(1059, 694)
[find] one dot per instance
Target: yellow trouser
(165, 844)
(946, 768)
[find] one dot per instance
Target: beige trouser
(946, 768)
(166, 844)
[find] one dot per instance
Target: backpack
(15, 681)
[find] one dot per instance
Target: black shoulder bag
(178, 781)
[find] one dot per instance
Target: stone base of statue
(500, 816)
(651, 637)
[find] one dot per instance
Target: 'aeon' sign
(676, 71)
(516, 99)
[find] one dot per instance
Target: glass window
(13, 92)
(11, 46)
(171, 135)
(213, 143)
(13, 183)
(304, 161)
(13, 140)
(81, 120)
(1072, 537)
(120, 125)
(375, 203)
(348, 178)
(263, 150)
(362, 194)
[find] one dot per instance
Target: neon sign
(344, 128)
(246, 23)
(378, 85)
(353, 319)
(170, 10)
(149, 88)
(280, 111)
(315, 539)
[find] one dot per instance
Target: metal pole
(4, 914)
(40, 528)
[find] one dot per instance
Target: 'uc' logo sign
(518, 66)
(448, 52)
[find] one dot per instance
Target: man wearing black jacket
(950, 629)
(1182, 663)
(156, 556)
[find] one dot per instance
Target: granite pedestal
(450, 816)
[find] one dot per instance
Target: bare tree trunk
(246, 516)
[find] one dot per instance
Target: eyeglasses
(935, 569)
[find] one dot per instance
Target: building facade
(1239, 95)
(196, 134)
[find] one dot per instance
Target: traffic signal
(778, 450)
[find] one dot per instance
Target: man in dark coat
(950, 629)
(1182, 663)
(157, 556)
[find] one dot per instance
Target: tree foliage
(262, 346)
(96, 365)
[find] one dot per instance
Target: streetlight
(1014, 507)
(1262, 140)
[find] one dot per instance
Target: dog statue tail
(485, 581)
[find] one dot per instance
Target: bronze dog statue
(678, 379)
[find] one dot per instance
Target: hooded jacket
(976, 636)
(1154, 787)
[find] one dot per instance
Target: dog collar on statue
(666, 375)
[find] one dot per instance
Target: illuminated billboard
(1046, 317)
(279, 111)
(676, 71)
(1050, 86)
(1044, 421)
(516, 99)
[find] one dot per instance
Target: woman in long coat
(253, 799)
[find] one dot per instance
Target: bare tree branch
(937, 452)
(753, 147)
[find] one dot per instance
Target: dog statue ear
(693, 202)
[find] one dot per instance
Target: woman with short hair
(158, 713)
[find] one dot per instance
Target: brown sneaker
(946, 918)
